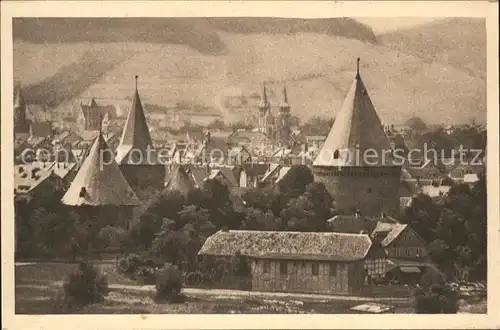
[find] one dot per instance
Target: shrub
(128, 263)
(111, 237)
(85, 286)
(437, 299)
(168, 283)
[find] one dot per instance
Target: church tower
(266, 119)
(356, 163)
(21, 125)
(135, 155)
(283, 126)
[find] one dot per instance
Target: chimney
(358, 213)
(383, 215)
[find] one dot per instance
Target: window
(333, 270)
(266, 266)
(315, 269)
(83, 192)
(283, 268)
(336, 154)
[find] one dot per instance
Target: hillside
(458, 42)
(317, 68)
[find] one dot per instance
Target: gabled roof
(179, 180)
(136, 132)
(285, 245)
(99, 181)
(393, 230)
(356, 127)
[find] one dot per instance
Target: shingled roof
(100, 181)
(288, 245)
(357, 127)
(135, 134)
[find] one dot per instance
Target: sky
(387, 24)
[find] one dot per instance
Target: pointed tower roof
(180, 180)
(264, 103)
(136, 132)
(18, 98)
(284, 104)
(357, 128)
(99, 181)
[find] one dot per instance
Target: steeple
(99, 181)
(264, 103)
(136, 132)
(19, 102)
(21, 124)
(357, 128)
(284, 106)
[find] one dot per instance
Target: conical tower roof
(136, 132)
(180, 180)
(99, 181)
(357, 128)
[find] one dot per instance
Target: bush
(437, 299)
(128, 263)
(168, 283)
(111, 237)
(85, 286)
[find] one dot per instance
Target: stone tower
(283, 126)
(355, 162)
(99, 191)
(135, 155)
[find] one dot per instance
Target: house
(250, 175)
(274, 174)
(92, 115)
(302, 262)
(35, 178)
(400, 241)
(179, 180)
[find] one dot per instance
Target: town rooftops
(288, 245)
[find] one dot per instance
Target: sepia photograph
(236, 164)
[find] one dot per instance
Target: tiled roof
(29, 176)
(282, 244)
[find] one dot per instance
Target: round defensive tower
(356, 163)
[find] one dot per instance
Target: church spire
(357, 68)
(136, 132)
(284, 106)
(264, 103)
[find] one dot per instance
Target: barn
(302, 262)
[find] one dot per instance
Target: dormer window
(83, 192)
(336, 154)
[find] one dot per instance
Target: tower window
(83, 192)
(336, 154)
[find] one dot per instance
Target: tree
(319, 196)
(416, 124)
(85, 286)
(295, 182)
(256, 219)
(299, 215)
(422, 215)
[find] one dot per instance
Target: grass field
(37, 286)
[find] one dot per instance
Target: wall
(371, 190)
(299, 277)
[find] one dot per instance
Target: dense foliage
(85, 286)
